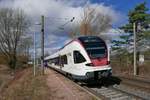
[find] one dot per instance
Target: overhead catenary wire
(61, 27)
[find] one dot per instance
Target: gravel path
(62, 88)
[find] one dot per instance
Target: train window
(78, 57)
(56, 61)
(64, 59)
(95, 47)
(50, 61)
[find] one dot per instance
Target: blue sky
(122, 6)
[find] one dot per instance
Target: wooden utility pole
(34, 55)
(42, 43)
(134, 31)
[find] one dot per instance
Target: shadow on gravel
(104, 82)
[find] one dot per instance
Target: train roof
(85, 39)
(82, 39)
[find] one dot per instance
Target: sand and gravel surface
(50, 86)
(64, 89)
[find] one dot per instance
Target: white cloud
(112, 34)
(57, 13)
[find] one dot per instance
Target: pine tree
(139, 16)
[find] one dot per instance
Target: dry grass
(143, 70)
(5, 75)
(27, 87)
(2, 59)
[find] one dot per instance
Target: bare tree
(93, 22)
(13, 25)
(24, 46)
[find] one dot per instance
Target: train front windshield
(94, 46)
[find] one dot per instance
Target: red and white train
(83, 58)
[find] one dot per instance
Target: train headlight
(89, 64)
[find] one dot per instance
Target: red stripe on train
(99, 62)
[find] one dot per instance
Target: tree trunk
(12, 62)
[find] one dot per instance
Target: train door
(69, 56)
(66, 62)
(60, 61)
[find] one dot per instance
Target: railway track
(136, 82)
(106, 93)
(110, 90)
(114, 93)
